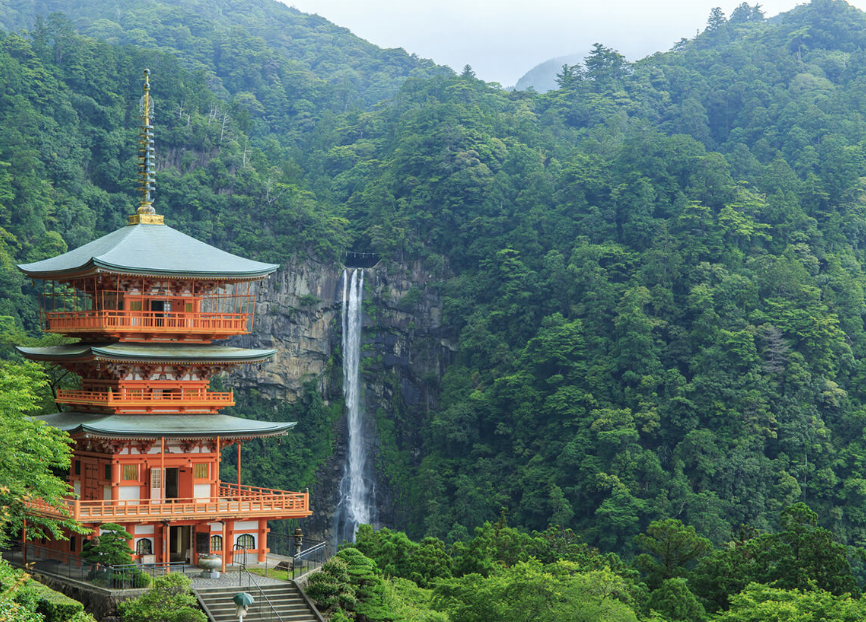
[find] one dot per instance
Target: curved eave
(94, 267)
(148, 250)
(215, 355)
(126, 427)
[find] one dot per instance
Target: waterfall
(355, 503)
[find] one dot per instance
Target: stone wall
(99, 602)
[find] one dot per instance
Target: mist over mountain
(542, 77)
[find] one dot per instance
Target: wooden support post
(239, 470)
(115, 480)
(263, 540)
(167, 539)
(225, 544)
(162, 469)
(216, 489)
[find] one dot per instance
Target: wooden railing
(230, 490)
(145, 321)
(249, 502)
(136, 397)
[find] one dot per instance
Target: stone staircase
(288, 602)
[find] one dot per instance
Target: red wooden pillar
(225, 544)
(215, 491)
(115, 480)
(263, 540)
(166, 539)
(162, 469)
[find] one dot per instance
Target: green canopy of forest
(656, 271)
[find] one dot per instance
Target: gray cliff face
(297, 312)
(406, 350)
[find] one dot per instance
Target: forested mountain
(542, 77)
(252, 49)
(656, 271)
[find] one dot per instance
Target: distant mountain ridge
(542, 77)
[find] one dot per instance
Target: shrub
(170, 600)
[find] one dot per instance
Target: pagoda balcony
(147, 325)
(148, 401)
(233, 502)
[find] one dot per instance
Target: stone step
(298, 608)
(286, 600)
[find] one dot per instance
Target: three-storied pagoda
(146, 302)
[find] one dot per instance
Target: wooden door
(91, 481)
(171, 477)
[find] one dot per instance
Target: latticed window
(246, 541)
(200, 471)
(130, 472)
(216, 543)
(156, 478)
(144, 547)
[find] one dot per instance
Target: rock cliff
(406, 349)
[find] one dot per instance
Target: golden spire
(146, 215)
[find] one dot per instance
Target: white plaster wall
(129, 493)
(246, 525)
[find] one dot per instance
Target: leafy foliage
(759, 603)
(25, 600)
(110, 547)
(170, 600)
(330, 587)
(528, 591)
(29, 454)
(801, 556)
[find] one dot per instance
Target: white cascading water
(355, 504)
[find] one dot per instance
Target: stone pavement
(230, 577)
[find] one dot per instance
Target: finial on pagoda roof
(145, 214)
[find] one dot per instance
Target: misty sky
(503, 39)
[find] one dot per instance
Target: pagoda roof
(101, 425)
(152, 353)
(148, 250)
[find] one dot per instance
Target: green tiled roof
(148, 250)
(171, 426)
(156, 353)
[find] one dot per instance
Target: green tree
(169, 600)
(761, 603)
(330, 587)
(29, 455)
(110, 547)
(716, 21)
(676, 603)
(671, 549)
(529, 591)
